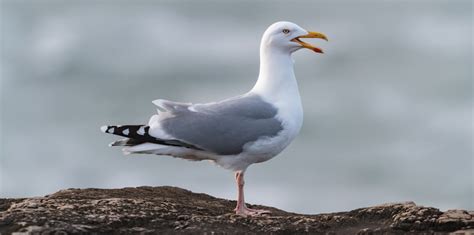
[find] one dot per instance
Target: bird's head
(286, 36)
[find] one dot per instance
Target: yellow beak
(307, 45)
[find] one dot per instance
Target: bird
(236, 132)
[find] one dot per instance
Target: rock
(171, 210)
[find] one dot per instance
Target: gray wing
(224, 127)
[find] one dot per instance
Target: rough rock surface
(170, 210)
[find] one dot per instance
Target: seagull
(236, 132)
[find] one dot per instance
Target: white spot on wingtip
(126, 131)
(111, 130)
(141, 131)
(103, 128)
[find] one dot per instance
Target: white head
(285, 37)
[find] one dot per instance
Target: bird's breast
(290, 114)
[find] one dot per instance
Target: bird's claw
(244, 211)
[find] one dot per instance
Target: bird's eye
(286, 31)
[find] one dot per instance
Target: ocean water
(388, 107)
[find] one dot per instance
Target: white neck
(276, 79)
(277, 84)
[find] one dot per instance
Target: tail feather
(139, 134)
(126, 142)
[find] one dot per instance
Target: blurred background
(388, 108)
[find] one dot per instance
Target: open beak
(307, 45)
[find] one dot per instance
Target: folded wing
(222, 128)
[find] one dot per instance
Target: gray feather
(224, 127)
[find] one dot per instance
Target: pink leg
(241, 209)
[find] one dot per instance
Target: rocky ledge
(170, 210)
